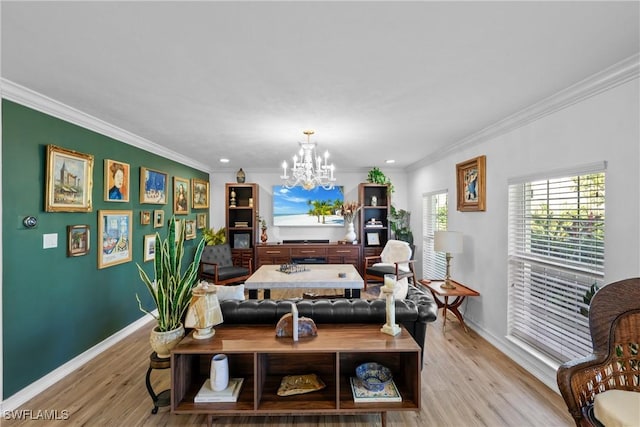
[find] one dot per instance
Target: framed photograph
(145, 217)
(201, 221)
(158, 218)
(149, 247)
(178, 230)
(200, 194)
(471, 185)
(153, 186)
(373, 239)
(241, 241)
(116, 181)
(69, 180)
(180, 196)
(77, 240)
(189, 229)
(114, 237)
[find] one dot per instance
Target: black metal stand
(164, 397)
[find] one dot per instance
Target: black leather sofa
(413, 313)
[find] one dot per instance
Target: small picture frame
(153, 186)
(180, 196)
(241, 241)
(178, 230)
(199, 193)
(115, 230)
(116, 181)
(77, 240)
(145, 217)
(201, 221)
(189, 229)
(69, 180)
(158, 218)
(471, 186)
(149, 247)
(373, 239)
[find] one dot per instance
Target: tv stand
(303, 241)
(287, 253)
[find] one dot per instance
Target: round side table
(164, 397)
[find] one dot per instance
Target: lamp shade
(448, 241)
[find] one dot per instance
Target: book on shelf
(373, 226)
(361, 394)
(229, 394)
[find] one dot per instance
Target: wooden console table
(329, 253)
(256, 355)
(460, 293)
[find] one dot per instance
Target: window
(556, 257)
(434, 218)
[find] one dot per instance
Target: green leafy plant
(212, 237)
(376, 176)
(170, 288)
(586, 298)
(399, 220)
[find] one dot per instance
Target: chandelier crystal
(309, 170)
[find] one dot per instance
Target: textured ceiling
(242, 80)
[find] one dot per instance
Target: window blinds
(434, 218)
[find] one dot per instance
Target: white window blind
(434, 218)
(556, 255)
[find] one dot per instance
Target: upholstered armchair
(218, 266)
(591, 385)
(395, 258)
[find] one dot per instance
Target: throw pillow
(399, 291)
(229, 292)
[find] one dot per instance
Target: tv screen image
(297, 207)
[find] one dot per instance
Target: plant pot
(163, 342)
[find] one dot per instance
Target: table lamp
(204, 311)
(448, 242)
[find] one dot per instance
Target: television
(297, 207)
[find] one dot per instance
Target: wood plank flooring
(465, 382)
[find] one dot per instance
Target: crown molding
(607, 79)
(32, 99)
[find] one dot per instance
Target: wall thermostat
(30, 221)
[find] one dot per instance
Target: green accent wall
(56, 307)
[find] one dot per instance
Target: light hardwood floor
(465, 382)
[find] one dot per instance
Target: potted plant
(170, 288)
(400, 224)
(376, 176)
(212, 237)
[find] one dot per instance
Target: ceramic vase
(351, 233)
(219, 374)
(263, 236)
(163, 342)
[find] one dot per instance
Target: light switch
(49, 240)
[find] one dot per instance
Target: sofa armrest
(427, 307)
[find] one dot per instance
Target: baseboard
(37, 387)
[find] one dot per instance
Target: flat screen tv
(297, 207)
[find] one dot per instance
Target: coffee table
(319, 276)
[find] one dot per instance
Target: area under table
(318, 276)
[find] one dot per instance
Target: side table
(460, 292)
(164, 397)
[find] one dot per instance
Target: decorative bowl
(373, 375)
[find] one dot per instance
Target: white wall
(603, 127)
(266, 181)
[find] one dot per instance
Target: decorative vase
(163, 342)
(240, 176)
(263, 236)
(351, 233)
(219, 373)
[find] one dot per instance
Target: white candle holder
(390, 328)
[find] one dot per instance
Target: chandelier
(309, 170)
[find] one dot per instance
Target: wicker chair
(614, 323)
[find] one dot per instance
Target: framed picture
(200, 193)
(77, 240)
(201, 221)
(471, 185)
(145, 217)
(373, 239)
(114, 237)
(149, 247)
(189, 229)
(180, 196)
(241, 241)
(158, 218)
(69, 180)
(153, 186)
(178, 230)
(116, 181)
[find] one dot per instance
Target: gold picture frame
(158, 218)
(115, 230)
(149, 247)
(189, 229)
(199, 193)
(201, 221)
(471, 185)
(180, 196)
(116, 181)
(145, 217)
(78, 239)
(69, 180)
(153, 186)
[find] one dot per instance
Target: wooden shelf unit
(242, 212)
(332, 253)
(256, 355)
(380, 212)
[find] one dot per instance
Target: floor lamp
(448, 242)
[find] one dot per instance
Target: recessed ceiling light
(389, 161)
(223, 160)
